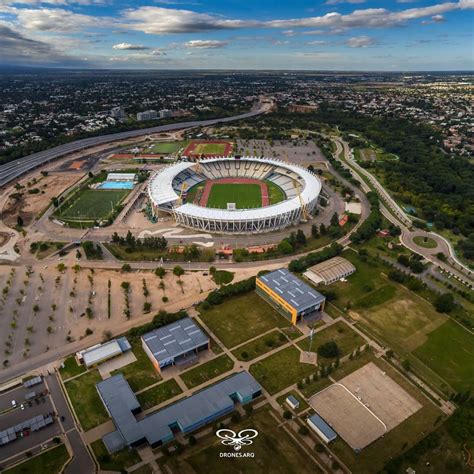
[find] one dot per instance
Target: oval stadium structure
(203, 195)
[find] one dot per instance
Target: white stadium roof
(161, 192)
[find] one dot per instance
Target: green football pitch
(245, 196)
(93, 204)
(167, 147)
(210, 149)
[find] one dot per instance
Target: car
(22, 406)
(13, 403)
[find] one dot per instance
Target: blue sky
(239, 34)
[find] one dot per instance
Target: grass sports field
(167, 147)
(93, 204)
(245, 196)
(210, 148)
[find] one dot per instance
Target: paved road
(393, 215)
(82, 462)
(14, 169)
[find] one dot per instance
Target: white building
(147, 115)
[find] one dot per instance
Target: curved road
(14, 169)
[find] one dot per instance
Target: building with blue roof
(185, 416)
(289, 295)
(174, 342)
(321, 428)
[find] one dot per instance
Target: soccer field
(94, 204)
(210, 149)
(167, 147)
(245, 196)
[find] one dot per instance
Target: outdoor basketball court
(364, 405)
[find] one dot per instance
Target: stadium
(234, 195)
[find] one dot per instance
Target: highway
(14, 169)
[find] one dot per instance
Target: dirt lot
(30, 325)
(364, 405)
(30, 205)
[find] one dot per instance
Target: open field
(245, 196)
(241, 318)
(159, 394)
(163, 148)
(140, 373)
(71, 368)
(260, 346)
(93, 204)
(399, 439)
(207, 371)
(281, 369)
(209, 149)
(449, 351)
(118, 461)
(49, 462)
(346, 339)
(85, 400)
(364, 405)
(275, 452)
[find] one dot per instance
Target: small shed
(292, 402)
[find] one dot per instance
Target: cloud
(361, 42)
(316, 43)
(160, 21)
(434, 19)
(338, 2)
(16, 48)
(56, 20)
(130, 47)
(205, 44)
(288, 33)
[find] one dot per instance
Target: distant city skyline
(391, 35)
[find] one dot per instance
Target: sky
(346, 35)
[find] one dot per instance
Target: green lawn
(346, 339)
(241, 318)
(275, 452)
(140, 373)
(245, 196)
(71, 368)
(167, 147)
(93, 204)
(159, 394)
(425, 242)
(222, 277)
(207, 371)
(281, 369)
(87, 404)
(210, 149)
(260, 346)
(275, 193)
(118, 461)
(49, 462)
(449, 351)
(375, 297)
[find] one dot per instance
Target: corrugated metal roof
(331, 269)
(102, 352)
(174, 339)
(322, 426)
(121, 177)
(291, 289)
(120, 400)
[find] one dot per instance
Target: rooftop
(294, 291)
(174, 339)
(322, 426)
(333, 268)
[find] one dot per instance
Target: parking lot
(12, 416)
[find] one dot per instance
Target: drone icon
(237, 440)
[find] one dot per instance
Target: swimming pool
(117, 185)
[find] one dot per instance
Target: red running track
(209, 183)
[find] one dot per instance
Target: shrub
(328, 350)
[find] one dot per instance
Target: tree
(160, 272)
(300, 237)
(328, 350)
(335, 220)
(285, 247)
(322, 229)
(406, 365)
(403, 260)
(19, 221)
(178, 271)
(314, 231)
(444, 303)
(126, 267)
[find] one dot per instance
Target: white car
(13, 403)
(22, 406)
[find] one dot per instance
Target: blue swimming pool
(117, 185)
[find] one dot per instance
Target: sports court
(364, 405)
(208, 148)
